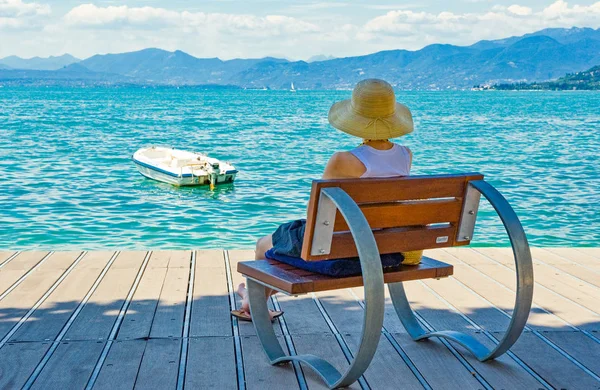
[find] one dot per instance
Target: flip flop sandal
(243, 316)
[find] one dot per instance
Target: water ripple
(68, 181)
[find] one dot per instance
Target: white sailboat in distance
(292, 89)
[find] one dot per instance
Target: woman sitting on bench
(373, 115)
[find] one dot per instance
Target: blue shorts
(287, 248)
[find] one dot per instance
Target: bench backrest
(405, 214)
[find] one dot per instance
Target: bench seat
(294, 281)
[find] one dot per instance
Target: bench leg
(523, 300)
(372, 273)
(417, 332)
(332, 377)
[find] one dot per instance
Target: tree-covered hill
(587, 80)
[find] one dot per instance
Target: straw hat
(372, 113)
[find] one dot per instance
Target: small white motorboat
(182, 168)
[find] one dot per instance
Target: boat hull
(181, 180)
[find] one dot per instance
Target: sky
(292, 29)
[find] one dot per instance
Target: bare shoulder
(343, 165)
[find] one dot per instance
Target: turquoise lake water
(68, 181)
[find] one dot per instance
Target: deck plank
(311, 335)
(138, 319)
(347, 315)
(96, 319)
(550, 311)
(497, 284)
(535, 346)
(568, 286)
(593, 252)
(259, 373)
(49, 318)
(302, 315)
(160, 364)
(121, 366)
(552, 258)
(502, 373)
(170, 259)
(324, 346)
(562, 310)
(552, 366)
(210, 305)
(211, 364)
(95, 260)
(577, 256)
(20, 300)
(11, 272)
(541, 257)
(70, 366)
(309, 330)
(18, 361)
(24, 261)
(168, 319)
(4, 255)
(580, 346)
(129, 260)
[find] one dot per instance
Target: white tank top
(384, 163)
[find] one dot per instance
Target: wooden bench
(369, 217)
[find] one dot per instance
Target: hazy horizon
(316, 57)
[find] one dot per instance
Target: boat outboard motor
(213, 175)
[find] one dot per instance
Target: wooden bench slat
(410, 213)
(390, 241)
(296, 281)
(396, 189)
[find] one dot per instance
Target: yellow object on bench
(412, 257)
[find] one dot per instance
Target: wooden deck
(160, 320)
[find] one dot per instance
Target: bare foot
(242, 291)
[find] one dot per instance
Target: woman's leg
(262, 246)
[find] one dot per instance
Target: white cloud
(88, 29)
(17, 15)
(466, 28)
(519, 10)
(92, 16)
(89, 15)
(17, 8)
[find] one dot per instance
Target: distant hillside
(561, 35)
(587, 80)
(536, 57)
(177, 68)
(74, 74)
(38, 63)
(435, 66)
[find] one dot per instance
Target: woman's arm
(343, 165)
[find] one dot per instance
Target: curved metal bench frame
(523, 299)
(375, 299)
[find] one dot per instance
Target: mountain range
(540, 56)
(37, 63)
